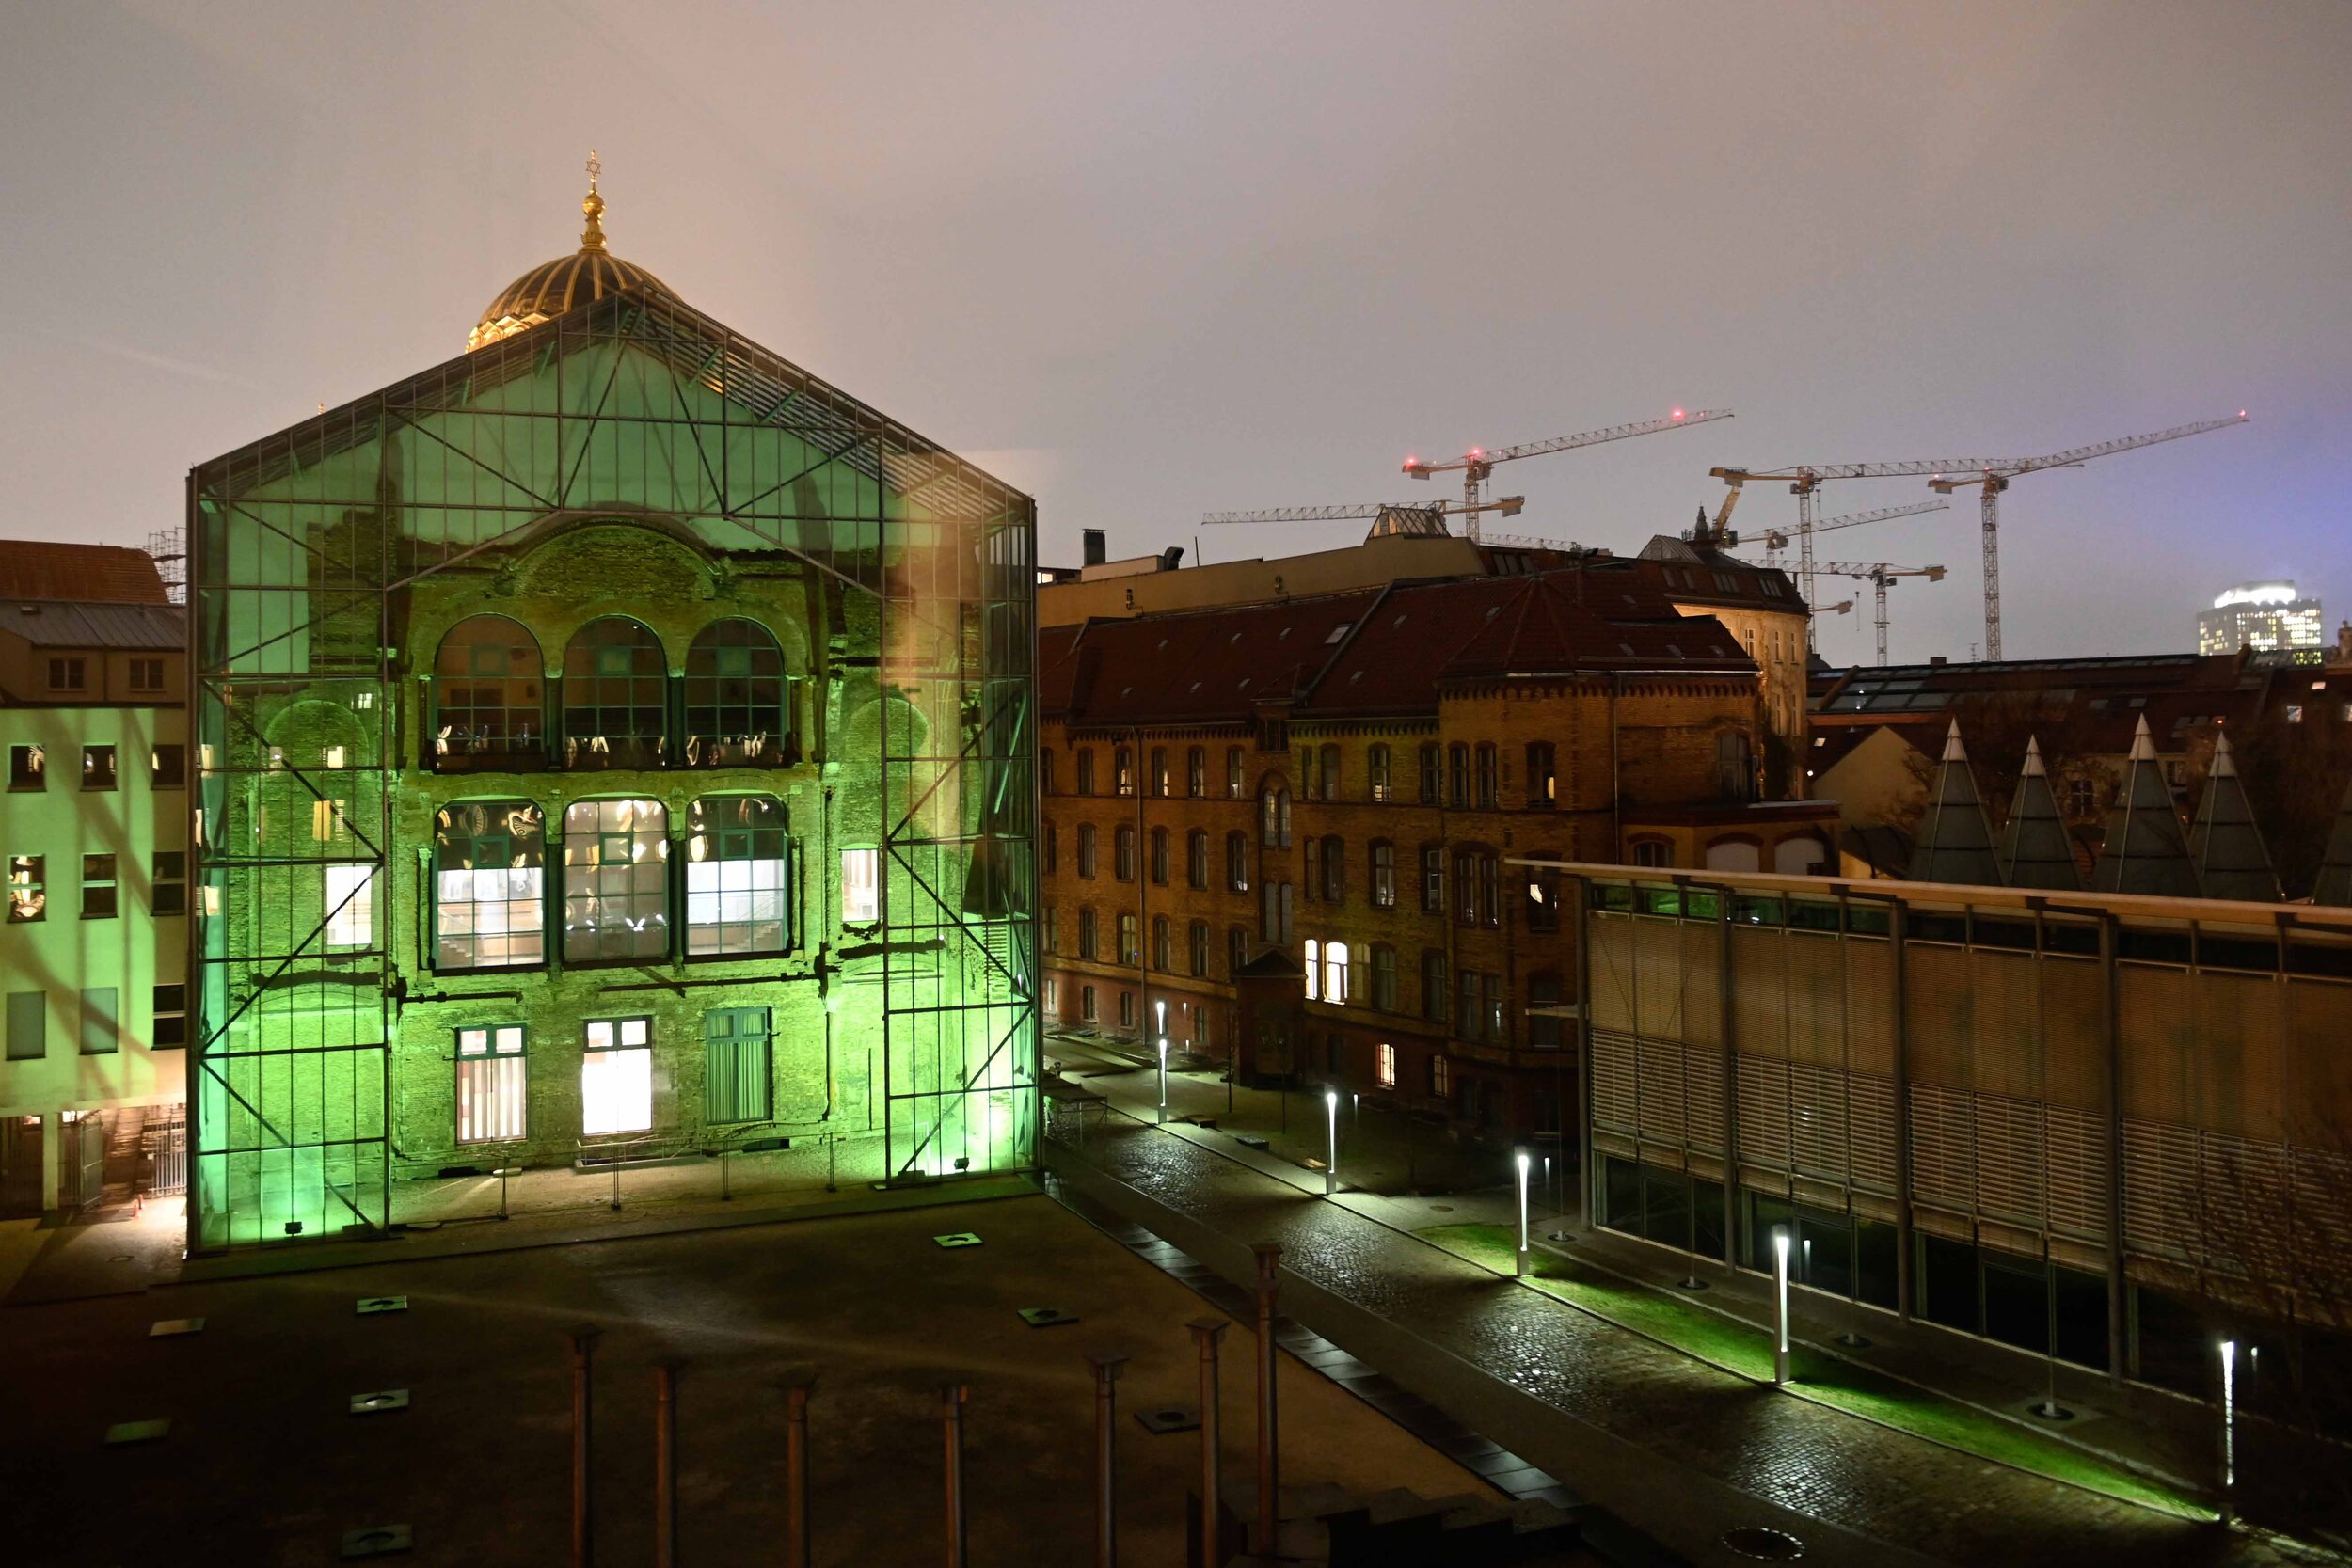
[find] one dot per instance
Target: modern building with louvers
(612, 749)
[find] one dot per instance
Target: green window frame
(493, 1082)
(738, 1066)
(490, 886)
(28, 1025)
(738, 876)
(99, 888)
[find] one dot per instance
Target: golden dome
(566, 283)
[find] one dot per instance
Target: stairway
(1327, 1526)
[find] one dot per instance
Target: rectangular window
(168, 891)
(1052, 998)
(350, 906)
(861, 887)
(490, 1083)
(147, 675)
(1542, 787)
(1335, 974)
(1159, 771)
(1089, 939)
(1130, 941)
(1126, 1010)
(1432, 879)
(1384, 876)
(1234, 789)
(489, 871)
(28, 1025)
(102, 1026)
(1050, 850)
(1384, 978)
(1441, 1074)
(736, 1075)
(98, 887)
(1384, 1065)
(170, 1014)
(1236, 950)
(28, 768)
(1199, 954)
(98, 768)
(1429, 775)
(739, 892)
(616, 880)
(1457, 775)
(1315, 969)
(1086, 772)
(616, 1077)
(1376, 773)
(1050, 923)
(28, 892)
(1195, 773)
(1086, 1004)
(1488, 791)
(167, 767)
(1163, 952)
(68, 674)
(1466, 1005)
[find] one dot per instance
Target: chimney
(1935, 659)
(1096, 551)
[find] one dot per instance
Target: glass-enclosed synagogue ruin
(612, 754)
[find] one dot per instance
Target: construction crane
(1996, 478)
(1479, 462)
(1807, 479)
(1400, 516)
(1776, 541)
(1880, 575)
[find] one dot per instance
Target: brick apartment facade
(1290, 823)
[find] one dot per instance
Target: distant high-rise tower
(2258, 615)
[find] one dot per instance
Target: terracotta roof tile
(97, 574)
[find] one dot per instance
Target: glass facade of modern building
(613, 744)
(2096, 1125)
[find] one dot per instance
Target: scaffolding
(310, 548)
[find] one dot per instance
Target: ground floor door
(19, 1166)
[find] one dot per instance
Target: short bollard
(665, 1464)
(1206, 1332)
(797, 1388)
(1269, 1256)
(952, 1398)
(583, 1368)
(1106, 1370)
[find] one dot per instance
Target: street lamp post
(1331, 1143)
(1780, 1304)
(1525, 1266)
(2229, 1430)
(1163, 1032)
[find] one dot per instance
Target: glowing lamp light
(1678, 413)
(1780, 1304)
(1331, 1145)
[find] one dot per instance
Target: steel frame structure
(304, 549)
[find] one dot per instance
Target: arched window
(1429, 771)
(1200, 947)
(1236, 949)
(1800, 857)
(1383, 875)
(489, 885)
(1197, 858)
(1237, 861)
(1653, 851)
(1234, 769)
(1384, 978)
(1123, 771)
(1197, 772)
(616, 880)
(1329, 763)
(613, 707)
(738, 895)
(1159, 857)
(1457, 775)
(489, 707)
(1433, 986)
(1377, 772)
(1124, 866)
(1734, 855)
(738, 713)
(1334, 868)
(1274, 817)
(1086, 850)
(1335, 973)
(1163, 956)
(1159, 771)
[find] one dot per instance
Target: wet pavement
(1880, 1485)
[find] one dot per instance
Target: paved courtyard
(263, 1464)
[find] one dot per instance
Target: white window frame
(861, 886)
(350, 905)
(616, 1077)
(1335, 973)
(1384, 1065)
(493, 1084)
(1315, 969)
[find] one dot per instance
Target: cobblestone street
(1878, 1484)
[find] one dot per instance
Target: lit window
(98, 766)
(489, 863)
(1384, 1065)
(490, 1084)
(28, 896)
(861, 886)
(1440, 1075)
(350, 906)
(616, 880)
(737, 883)
(736, 712)
(615, 697)
(486, 696)
(1335, 971)
(28, 768)
(616, 1077)
(1315, 969)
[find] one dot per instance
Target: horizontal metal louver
(2009, 1159)
(1870, 1114)
(1658, 1083)
(1942, 1146)
(1870, 1005)
(1657, 979)
(1702, 984)
(1613, 1100)
(1763, 1112)
(2077, 1156)
(1817, 1120)
(2160, 1199)
(1759, 990)
(1612, 942)
(1817, 999)
(1703, 1090)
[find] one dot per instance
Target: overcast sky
(1148, 262)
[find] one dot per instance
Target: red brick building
(1290, 824)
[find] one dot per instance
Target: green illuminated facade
(615, 743)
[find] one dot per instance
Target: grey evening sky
(1151, 261)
